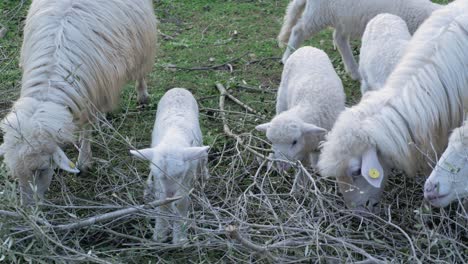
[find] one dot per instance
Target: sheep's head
(32, 133)
(290, 137)
(449, 179)
(352, 158)
(171, 165)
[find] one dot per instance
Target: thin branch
(224, 92)
(233, 233)
(222, 66)
(112, 215)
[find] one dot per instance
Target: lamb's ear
(2, 150)
(144, 154)
(371, 169)
(63, 162)
(195, 153)
(263, 127)
(312, 129)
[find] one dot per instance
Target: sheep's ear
(2, 150)
(263, 127)
(371, 169)
(312, 129)
(63, 162)
(195, 153)
(144, 154)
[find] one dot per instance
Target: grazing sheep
(449, 179)
(383, 44)
(176, 156)
(76, 57)
(407, 120)
(349, 18)
(310, 97)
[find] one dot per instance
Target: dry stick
(225, 93)
(112, 215)
(207, 68)
(226, 128)
(233, 233)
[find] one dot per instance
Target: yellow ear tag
(374, 173)
(71, 164)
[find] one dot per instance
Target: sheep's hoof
(143, 101)
(355, 76)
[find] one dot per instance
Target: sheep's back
(83, 52)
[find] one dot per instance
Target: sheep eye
(356, 173)
(294, 142)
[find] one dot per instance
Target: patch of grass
(241, 191)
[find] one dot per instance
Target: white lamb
(310, 97)
(349, 18)
(411, 117)
(449, 179)
(76, 57)
(177, 157)
(383, 43)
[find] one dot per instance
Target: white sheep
(310, 97)
(449, 179)
(407, 120)
(349, 19)
(76, 57)
(177, 157)
(383, 43)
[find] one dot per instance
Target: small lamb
(383, 44)
(349, 18)
(310, 97)
(449, 179)
(177, 157)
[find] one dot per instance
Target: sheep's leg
(149, 194)
(85, 157)
(162, 227)
(42, 182)
(181, 225)
(310, 24)
(204, 168)
(342, 42)
(142, 91)
(27, 197)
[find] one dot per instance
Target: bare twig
(224, 66)
(233, 233)
(112, 215)
(224, 92)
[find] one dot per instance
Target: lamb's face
(289, 138)
(172, 166)
(449, 179)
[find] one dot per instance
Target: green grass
(240, 192)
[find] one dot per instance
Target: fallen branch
(225, 93)
(212, 67)
(233, 233)
(112, 215)
(227, 130)
(263, 59)
(95, 219)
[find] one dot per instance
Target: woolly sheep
(76, 57)
(310, 97)
(449, 179)
(176, 156)
(349, 18)
(409, 118)
(383, 44)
